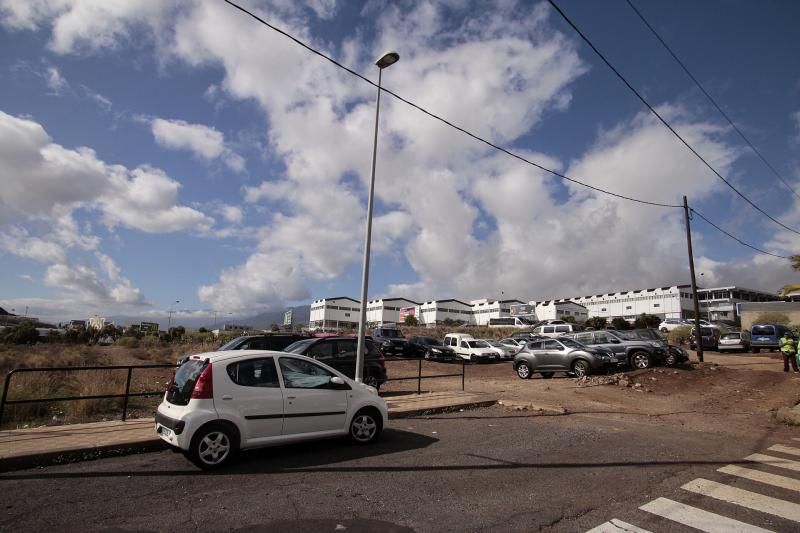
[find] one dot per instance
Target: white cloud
(55, 82)
(231, 213)
(203, 141)
(18, 241)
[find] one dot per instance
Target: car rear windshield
(180, 390)
(731, 336)
(763, 330)
(299, 346)
(231, 345)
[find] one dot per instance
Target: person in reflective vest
(789, 351)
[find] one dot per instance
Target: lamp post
(169, 320)
(386, 60)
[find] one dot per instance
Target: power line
(710, 99)
(737, 239)
(443, 120)
(663, 121)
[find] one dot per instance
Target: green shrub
(772, 317)
(680, 335)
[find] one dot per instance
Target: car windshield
(648, 334)
(391, 333)
(731, 336)
(496, 344)
(571, 343)
(430, 341)
(299, 346)
(477, 344)
(231, 344)
(763, 330)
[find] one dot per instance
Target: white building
(484, 309)
(561, 309)
(666, 302)
(437, 311)
(720, 303)
(387, 310)
(334, 314)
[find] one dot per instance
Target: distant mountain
(301, 315)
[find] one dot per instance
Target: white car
(668, 324)
(221, 402)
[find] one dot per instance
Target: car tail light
(204, 386)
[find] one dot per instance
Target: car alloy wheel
(580, 368)
(641, 360)
(427, 354)
(524, 371)
(212, 447)
(371, 380)
(670, 359)
(364, 427)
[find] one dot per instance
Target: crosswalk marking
(762, 477)
(784, 449)
(698, 518)
(774, 461)
(616, 525)
(745, 498)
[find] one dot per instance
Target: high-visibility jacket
(787, 345)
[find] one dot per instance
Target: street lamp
(169, 320)
(386, 60)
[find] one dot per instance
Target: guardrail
(125, 396)
(419, 377)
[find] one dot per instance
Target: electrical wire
(445, 121)
(663, 121)
(710, 99)
(737, 239)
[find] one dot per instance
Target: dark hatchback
(340, 353)
(429, 348)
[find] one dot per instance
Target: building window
(656, 305)
(627, 307)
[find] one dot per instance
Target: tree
(569, 319)
(772, 317)
(597, 322)
(411, 320)
(23, 333)
(647, 321)
(202, 330)
(620, 323)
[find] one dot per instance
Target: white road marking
(616, 525)
(698, 518)
(774, 461)
(762, 477)
(784, 449)
(745, 498)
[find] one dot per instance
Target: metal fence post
(5, 395)
(463, 372)
(127, 391)
(419, 378)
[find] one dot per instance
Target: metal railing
(419, 377)
(125, 395)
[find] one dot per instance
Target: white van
(554, 330)
(467, 348)
(509, 322)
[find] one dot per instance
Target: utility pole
(698, 336)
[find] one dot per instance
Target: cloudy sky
(154, 152)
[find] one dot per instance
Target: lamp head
(387, 59)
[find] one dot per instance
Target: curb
(144, 446)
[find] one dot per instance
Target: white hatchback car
(220, 402)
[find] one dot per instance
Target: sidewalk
(21, 448)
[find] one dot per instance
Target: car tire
(670, 360)
(213, 446)
(664, 330)
(581, 368)
(640, 360)
(756, 350)
(524, 371)
(365, 426)
(427, 354)
(547, 375)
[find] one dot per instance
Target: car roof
(216, 357)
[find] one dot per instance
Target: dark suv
(270, 341)
(340, 353)
(390, 341)
(630, 350)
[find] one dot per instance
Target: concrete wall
(751, 311)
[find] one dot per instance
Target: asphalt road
(484, 470)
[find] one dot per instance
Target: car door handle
(226, 397)
(291, 397)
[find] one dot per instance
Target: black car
(675, 354)
(390, 341)
(269, 341)
(429, 348)
(710, 338)
(340, 353)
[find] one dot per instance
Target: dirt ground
(727, 393)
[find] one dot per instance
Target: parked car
(429, 348)
(709, 336)
(515, 344)
(340, 353)
(668, 324)
(630, 351)
(766, 336)
(268, 341)
(525, 335)
(675, 354)
(509, 322)
(221, 402)
(734, 340)
(390, 340)
(503, 352)
(548, 356)
(555, 330)
(466, 347)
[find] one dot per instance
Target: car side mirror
(615, 341)
(338, 383)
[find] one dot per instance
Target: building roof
(338, 298)
(393, 300)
